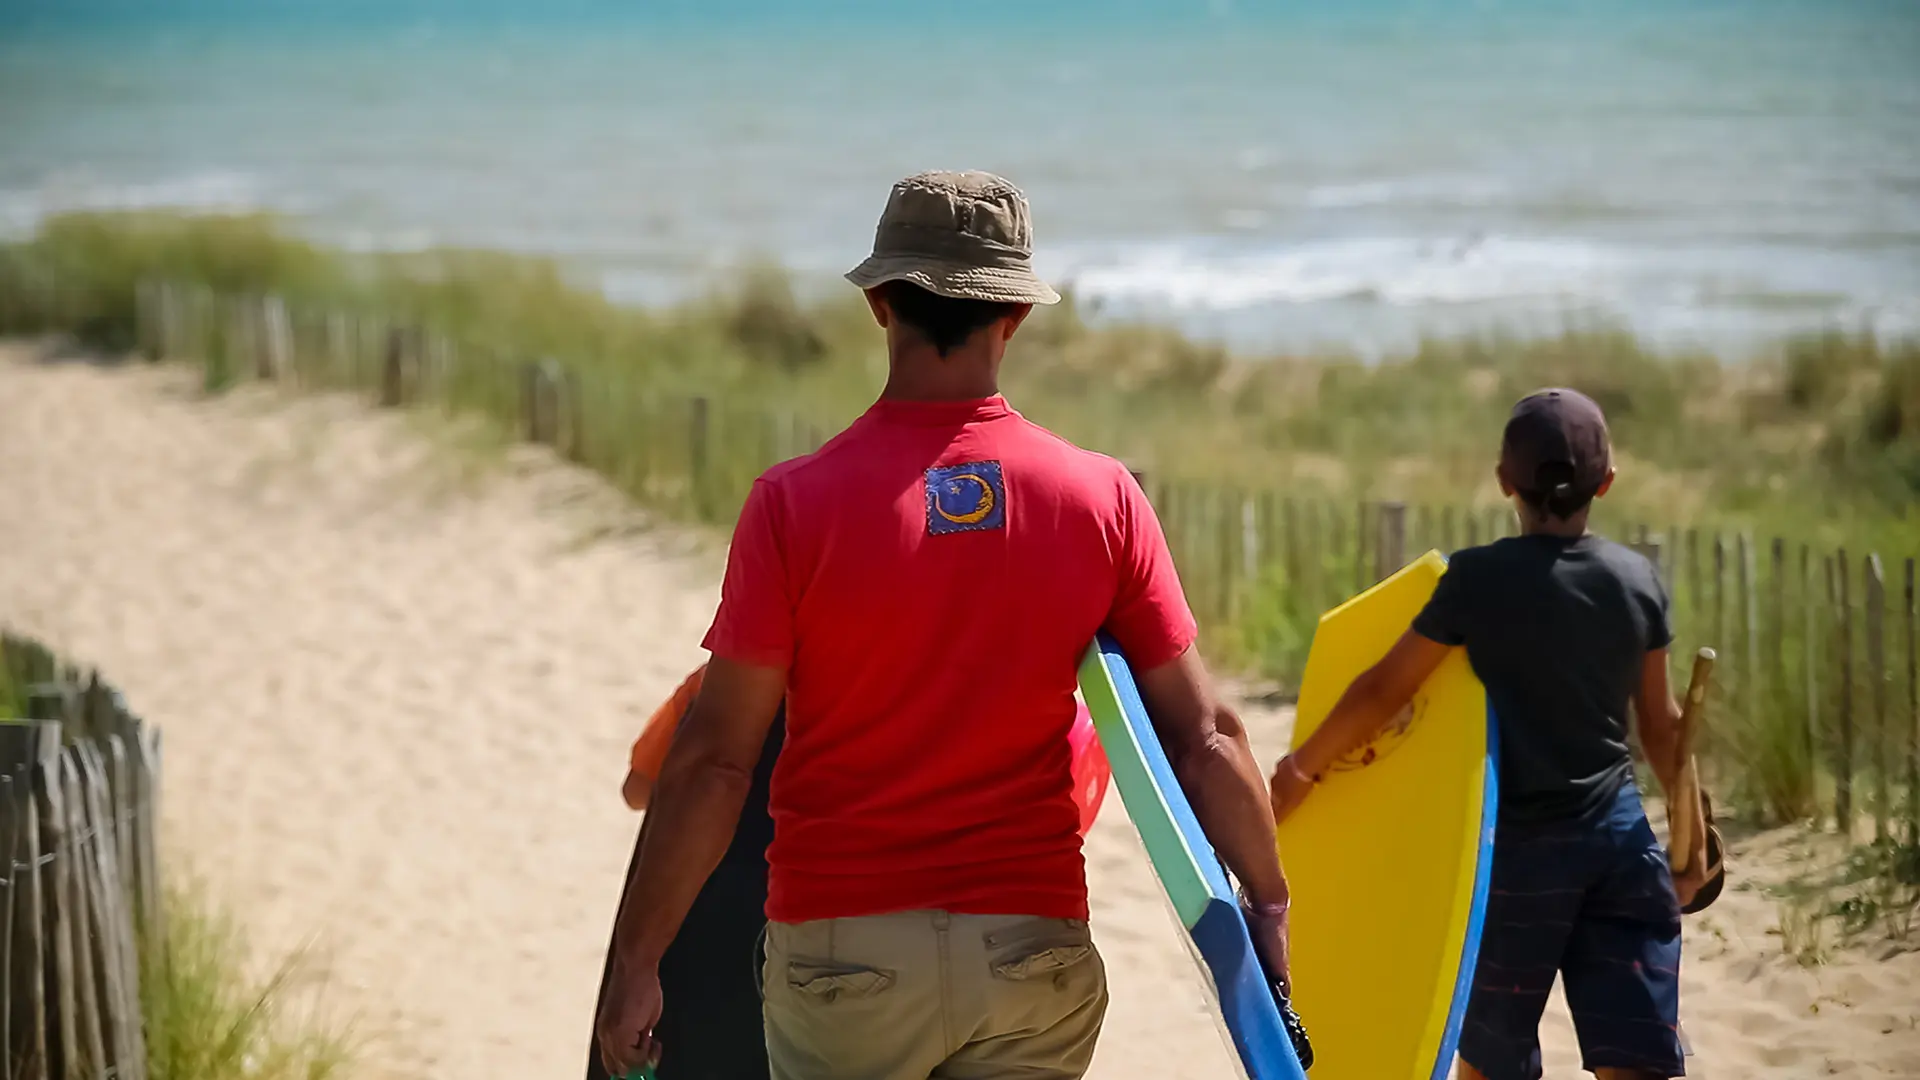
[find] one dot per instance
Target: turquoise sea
(1283, 174)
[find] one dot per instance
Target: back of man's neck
(926, 379)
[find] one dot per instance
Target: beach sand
(397, 669)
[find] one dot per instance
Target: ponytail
(1553, 492)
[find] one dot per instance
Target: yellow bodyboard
(1388, 857)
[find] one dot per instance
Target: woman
(711, 1029)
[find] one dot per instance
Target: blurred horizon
(1702, 173)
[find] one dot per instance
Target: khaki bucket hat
(965, 235)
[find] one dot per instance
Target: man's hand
(627, 1018)
(1271, 939)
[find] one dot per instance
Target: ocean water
(1277, 174)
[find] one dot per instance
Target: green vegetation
(1870, 894)
(1265, 471)
(12, 705)
(1824, 428)
(209, 1018)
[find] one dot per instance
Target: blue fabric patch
(966, 498)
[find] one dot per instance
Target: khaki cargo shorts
(927, 994)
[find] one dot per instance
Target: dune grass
(212, 1015)
(1261, 468)
(1819, 432)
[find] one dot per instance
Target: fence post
(1843, 771)
(76, 900)
(1336, 549)
(1249, 538)
(1649, 548)
(143, 318)
(1810, 649)
(59, 912)
(169, 339)
(697, 455)
(393, 385)
(1313, 558)
(1290, 540)
(27, 749)
(1913, 709)
(96, 921)
(1777, 620)
(275, 345)
(1696, 594)
(1361, 571)
(1875, 582)
(243, 335)
(1220, 506)
(536, 401)
(1390, 550)
(1720, 597)
(1774, 619)
(1751, 684)
(146, 756)
(337, 355)
(574, 410)
(26, 1014)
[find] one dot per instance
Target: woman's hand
(1288, 789)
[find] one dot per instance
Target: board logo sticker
(1387, 741)
(966, 498)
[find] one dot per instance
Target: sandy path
(397, 683)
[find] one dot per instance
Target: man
(1565, 629)
(920, 592)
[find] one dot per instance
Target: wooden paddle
(1684, 808)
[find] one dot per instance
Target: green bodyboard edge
(1173, 861)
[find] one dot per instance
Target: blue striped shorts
(1592, 902)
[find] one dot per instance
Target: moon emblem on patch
(1387, 741)
(966, 498)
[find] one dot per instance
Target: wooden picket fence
(1817, 705)
(79, 788)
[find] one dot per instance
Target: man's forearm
(1231, 802)
(692, 820)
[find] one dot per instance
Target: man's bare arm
(1207, 746)
(696, 803)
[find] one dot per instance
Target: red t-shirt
(930, 580)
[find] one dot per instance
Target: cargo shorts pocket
(831, 982)
(1039, 949)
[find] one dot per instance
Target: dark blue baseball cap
(1556, 443)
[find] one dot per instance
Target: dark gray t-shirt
(1558, 630)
